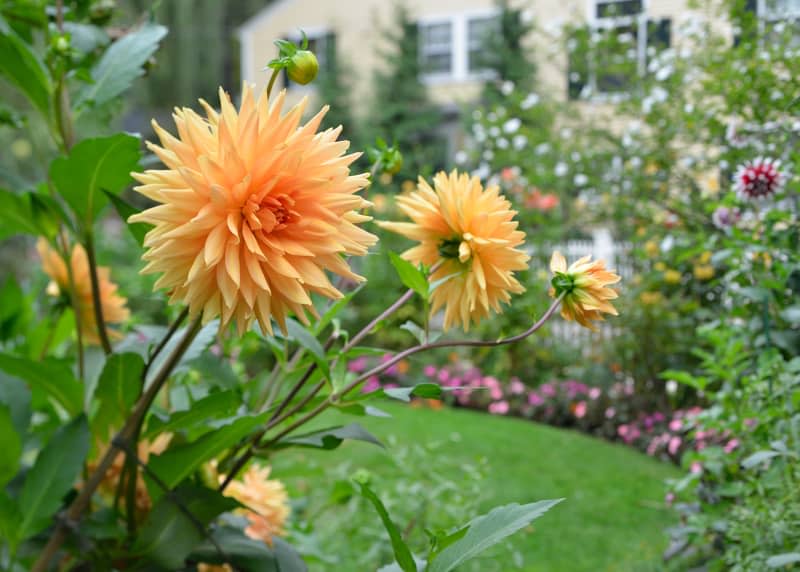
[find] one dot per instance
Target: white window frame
(459, 60)
(610, 23)
(762, 7)
(312, 33)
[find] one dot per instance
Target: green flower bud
(303, 67)
(392, 161)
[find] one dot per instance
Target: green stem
(97, 301)
(272, 79)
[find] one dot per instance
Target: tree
(334, 90)
(401, 111)
(506, 55)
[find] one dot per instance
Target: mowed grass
(613, 516)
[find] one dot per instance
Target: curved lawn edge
(613, 517)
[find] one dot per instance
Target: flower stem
(97, 301)
(272, 79)
(120, 441)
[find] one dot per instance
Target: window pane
(613, 8)
(479, 34)
(616, 59)
(436, 47)
(782, 8)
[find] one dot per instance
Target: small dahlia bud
(303, 67)
(759, 179)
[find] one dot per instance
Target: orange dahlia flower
(113, 305)
(266, 501)
(254, 208)
(584, 286)
(470, 233)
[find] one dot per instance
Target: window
(323, 44)
(479, 35)
(612, 52)
(778, 9)
(436, 48)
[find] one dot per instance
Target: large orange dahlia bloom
(584, 286)
(254, 208)
(266, 502)
(468, 233)
(112, 304)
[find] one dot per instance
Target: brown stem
(124, 435)
(167, 337)
(97, 301)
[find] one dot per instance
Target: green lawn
(613, 517)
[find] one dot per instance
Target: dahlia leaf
(307, 341)
(117, 390)
(330, 438)
(28, 213)
(92, 167)
(214, 406)
(424, 390)
(402, 554)
(23, 68)
(11, 445)
(121, 63)
(52, 476)
(169, 534)
(124, 209)
(485, 531)
(49, 377)
(410, 275)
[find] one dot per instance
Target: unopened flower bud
(303, 67)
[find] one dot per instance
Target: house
(452, 32)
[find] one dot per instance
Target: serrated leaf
(486, 531)
(402, 554)
(330, 438)
(10, 445)
(169, 535)
(118, 388)
(52, 377)
(93, 166)
(53, 475)
(121, 63)
(137, 229)
(411, 276)
(23, 68)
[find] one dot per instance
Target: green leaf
(53, 475)
(118, 388)
(214, 406)
(10, 445)
(245, 553)
(698, 382)
(310, 343)
(402, 554)
(27, 213)
(410, 275)
(10, 518)
(121, 64)
(85, 38)
(424, 390)
(201, 341)
(23, 68)
(334, 310)
(52, 377)
(414, 330)
(93, 166)
(179, 462)
(16, 395)
(330, 438)
(781, 560)
(169, 535)
(137, 229)
(757, 458)
(486, 531)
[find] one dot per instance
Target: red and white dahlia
(759, 179)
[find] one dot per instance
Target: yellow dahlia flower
(584, 286)
(254, 208)
(470, 233)
(113, 305)
(266, 501)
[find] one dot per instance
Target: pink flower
(390, 385)
(731, 445)
(751, 422)
(696, 468)
(699, 445)
(516, 386)
(580, 409)
(658, 417)
(675, 425)
(490, 381)
(623, 430)
(547, 389)
(669, 499)
(496, 392)
(498, 408)
(443, 376)
(595, 392)
(610, 413)
(535, 399)
(674, 445)
(358, 365)
(429, 370)
(371, 384)
(759, 179)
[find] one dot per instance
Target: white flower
(507, 87)
(512, 125)
(561, 169)
(519, 142)
(460, 157)
(530, 100)
(580, 179)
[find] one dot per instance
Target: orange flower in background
(542, 202)
(254, 209)
(584, 287)
(266, 501)
(113, 305)
(470, 232)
